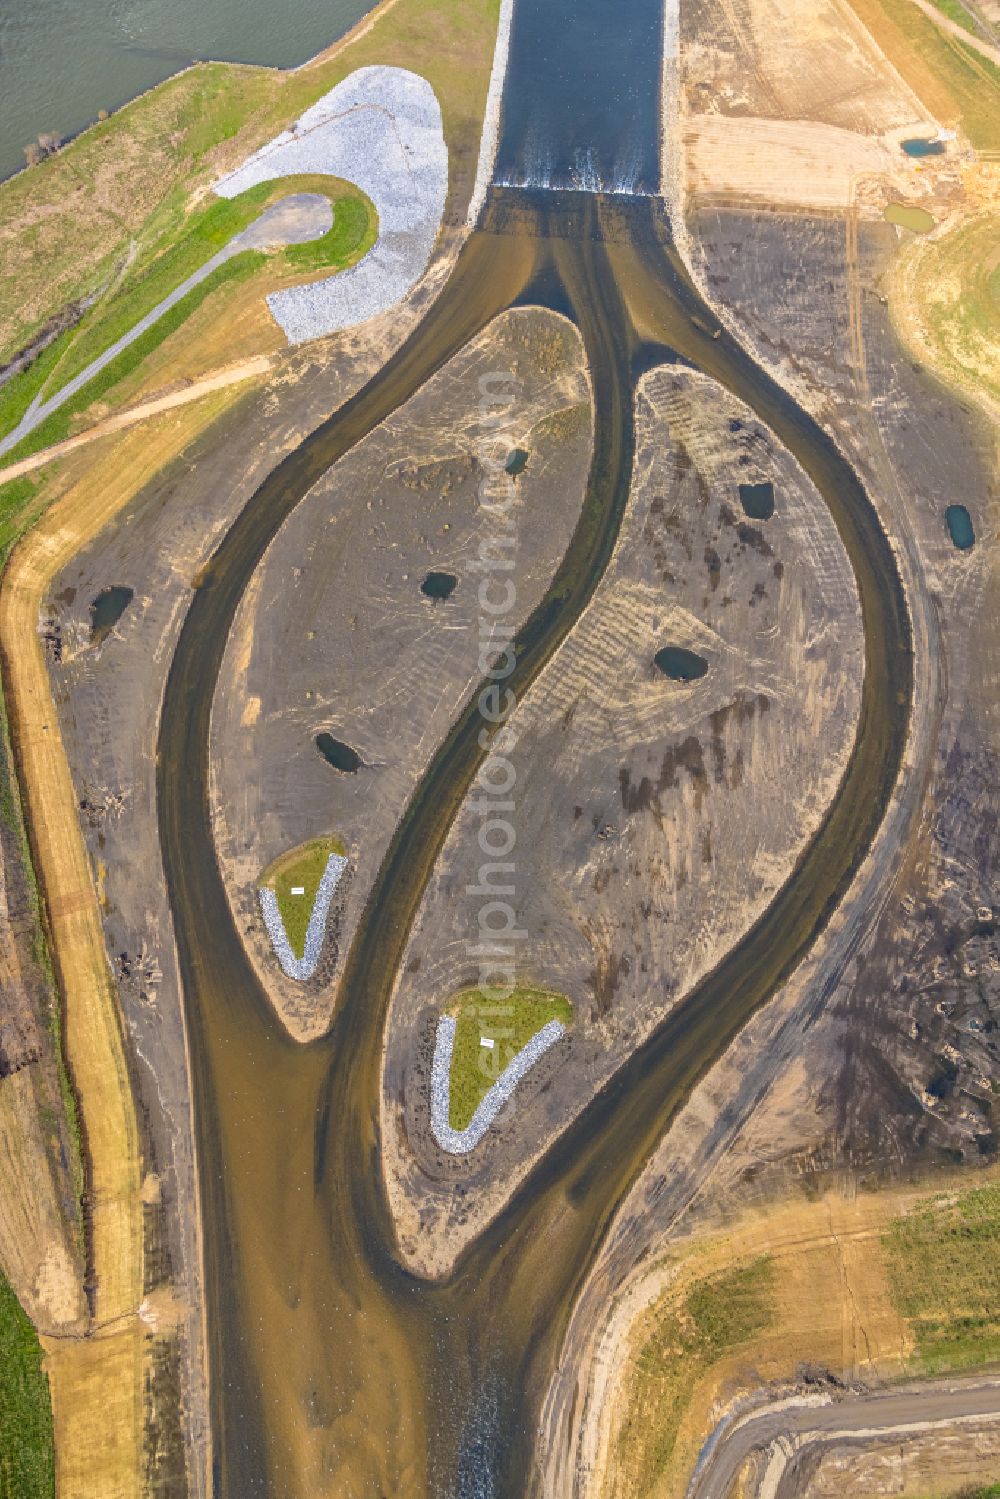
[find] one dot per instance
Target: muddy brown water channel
(333, 1370)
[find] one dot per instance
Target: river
(63, 60)
(334, 1370)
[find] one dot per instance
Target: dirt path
(863, 1418)
(247, 369)
(92, 1030)
(960, 34)
(97, 1379)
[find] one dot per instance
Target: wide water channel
(335, 1371)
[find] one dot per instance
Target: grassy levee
(944, 1269)
(27, 1469)
(717, 1316)
(944, 294)
(102, 212)
(96, 1381)
(352, 234)
(956, 83)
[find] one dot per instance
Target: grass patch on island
(510, 1024)
(943, 1262)
(299, 869)
(27, 1455)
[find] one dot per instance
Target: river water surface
(63, 60)
(581, 100)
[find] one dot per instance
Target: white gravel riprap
(302, 968)
(490, 138)
(461, 1141)
(380, 129)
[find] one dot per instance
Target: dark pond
(517, 462)
(338, 754)
(960, 526)
(923, 147)
(680, 665)
(107, 609)
(581, 100)
(757, 500)
(439, 585)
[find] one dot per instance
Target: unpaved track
(854, 1418)
(92, 1027)
(232, 374)
(968, 38)
(96, 1380)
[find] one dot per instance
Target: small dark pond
(923, 147)
(757, 500)
(680, 665)
(107, 609)
(960, 526)
(517, 462)
(338, 754)
(439, 585)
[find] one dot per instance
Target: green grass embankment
(720, 1315)
(354, 229)
(27, 1453)
(943, 1264)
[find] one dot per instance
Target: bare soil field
(791, 60)
(964, 1459)
(336, 636)
(654, 819)
(786, 103)
(786, 161)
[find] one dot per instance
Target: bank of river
(63, 60)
